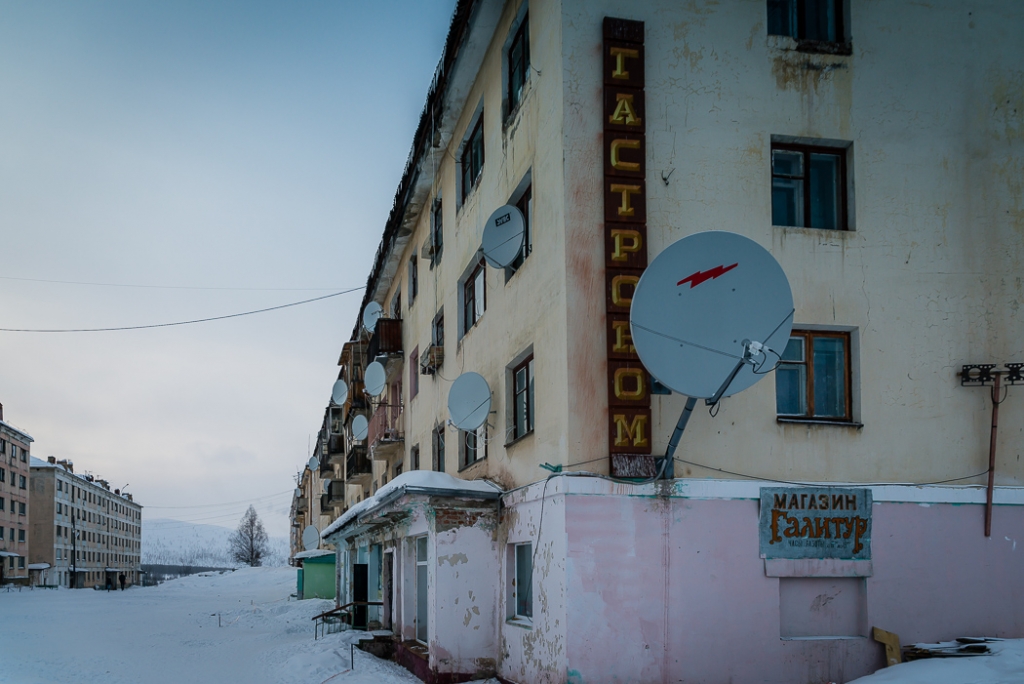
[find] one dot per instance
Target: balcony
(336, 493)
(386, 435)
(431, 359)
(326, 468)
(336, 449)
(301, 504)
(358, 468)
(386, 338)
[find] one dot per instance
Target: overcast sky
(200, 145)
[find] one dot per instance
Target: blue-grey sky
(200, 144)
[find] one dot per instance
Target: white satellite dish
(339, 393)
(314, 463)
(360, 426)
(469, 401)
(371, 313)
(327, 486)
(503, 236)
(705, 309)
(311, 538)
(374, 379)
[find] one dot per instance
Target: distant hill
(174, 542)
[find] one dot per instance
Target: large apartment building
(85, 533)
(875, 150)
(15, 512)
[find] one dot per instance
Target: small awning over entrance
(38, 566)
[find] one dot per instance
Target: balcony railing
(336, 449)
(301, 504)
(336, 494)
(358, 463)
(386, 425)
(386, 339)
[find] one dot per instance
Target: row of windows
(15, 505)
(21, 534)
(22, 483)
(17, 453)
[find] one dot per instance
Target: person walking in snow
(110, 583)
(121, 578)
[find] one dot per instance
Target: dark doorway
(389, 587)
(360, 573)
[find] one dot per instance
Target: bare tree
(249, 544)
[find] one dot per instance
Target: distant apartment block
(14, 502)
(82, 533)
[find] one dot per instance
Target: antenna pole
(667, 472)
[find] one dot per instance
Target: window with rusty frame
(522, 398)
(474, 299)
(813, 378)
(814, 20)
(809, 186)
(518, 63)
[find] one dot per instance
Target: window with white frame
(436, 231)
(473, 295)
(520, 577)
(809, 187)
(471, 159)
(517, 61)
(422, 633)
(521, 383)
(472, 446)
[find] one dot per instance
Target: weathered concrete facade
(15, 512)
(921, 274)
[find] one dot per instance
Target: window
(21, 535)
(14, 452)
(813, 377)
(522, 398)
(472, 157)
(21, 563)
(21, 482)
(414, 279)
(815, 20)
(24, 455)
(437, 448)
(396, 304)
(472, 446)
(414, 458)
(437, 330)
(414, 372)
(436, 231)
(473, 296)
(3, 446)
(522, 582)
(421, 589)
(398, 469)
(518, 57)
(3, 475)
(59, 509)
(809, 186)
(21, 508)
(1, 508)
(525, 205)
(60, 486)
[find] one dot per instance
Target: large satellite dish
(360, 426)
(469, 401)
(374, 379)
(371, 313)
(503, 236)
(311, 538)
(703, 311)
(339, 393)
(314, 463)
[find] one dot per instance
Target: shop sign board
(815, 522)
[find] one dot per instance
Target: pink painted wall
(935, 577)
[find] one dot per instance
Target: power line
(169, 287)
(189, 322)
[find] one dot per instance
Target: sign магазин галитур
(815, 522)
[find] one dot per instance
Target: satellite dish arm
(673, 441)
(750, 349)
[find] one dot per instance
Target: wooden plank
(892, 645)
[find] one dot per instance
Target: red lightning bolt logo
(710, 274)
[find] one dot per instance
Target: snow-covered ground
(1004, 666)
(170, 633)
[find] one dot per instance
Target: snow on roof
(414, 480)
(21, 433)
(315, 553)
(9, 554)
(1006, 664)
(38, 566)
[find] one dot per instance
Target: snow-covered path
(170, 634)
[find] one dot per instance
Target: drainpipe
(992, 456)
